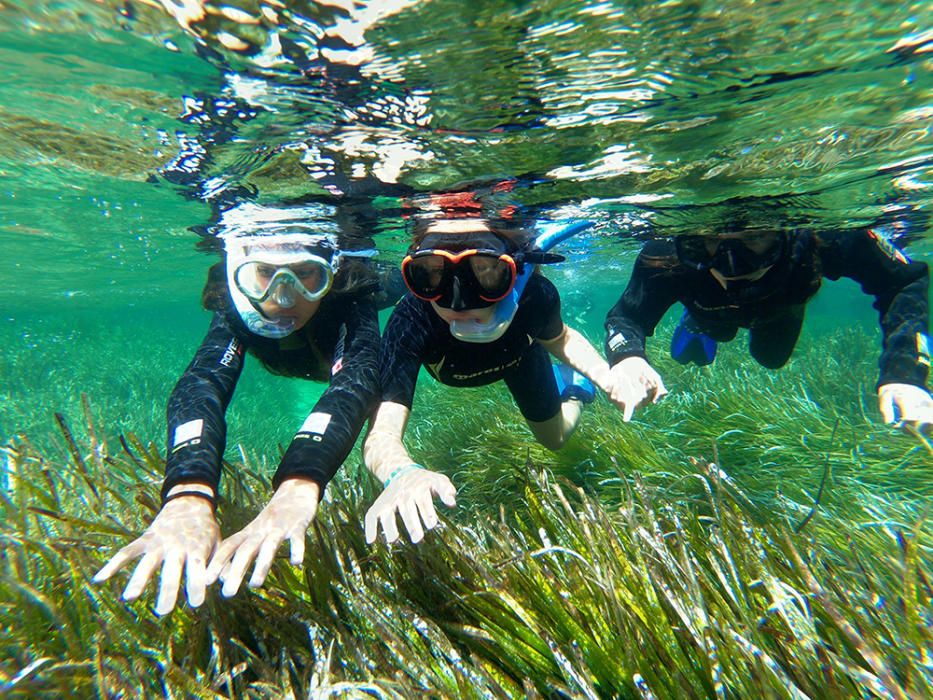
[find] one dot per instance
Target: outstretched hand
(634, 383)
(905, 404)
(410, 494)
(286, 517)
(182, 537)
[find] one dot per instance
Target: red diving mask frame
(472, 278)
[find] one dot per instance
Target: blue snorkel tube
(475, 332)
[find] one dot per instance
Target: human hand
(286, 516)
(905, 404)
(634, 383)
(184, 533)
(410, 493)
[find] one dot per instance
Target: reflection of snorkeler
(762, 281)
(304, 308)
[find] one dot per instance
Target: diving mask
(733, 256)
(278, 268)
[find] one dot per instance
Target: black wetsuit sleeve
(329, 432)
(197, 431)
(901, 288)
(652, 290)
(404, 344)
(545, 300)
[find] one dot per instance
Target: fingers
(233, 575)
(264, 561)
(425, 506)
(389, 526)
(195, 579)
(660, 391)
(409, 512)
(447, 493)
(296, 543)
(129, 552)
(171, 582)
(141, 575)
(371, 523)
(222, 556)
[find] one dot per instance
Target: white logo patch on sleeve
(188, 434)
(616, 341)
(315, 426)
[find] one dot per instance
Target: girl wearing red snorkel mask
(458, 272)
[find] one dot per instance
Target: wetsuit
(340, 344)
(773, 307)
(415, 335)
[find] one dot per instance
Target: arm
(570, 347)
(626, 386)
(185, 532)
(314, 456)
(383, 450)
(197, 431)
(408, 488)
(901, 289)
(651, 291)
(329, 432)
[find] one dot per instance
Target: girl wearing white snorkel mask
(289, 296)
(459, 272)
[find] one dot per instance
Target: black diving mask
(733, 256)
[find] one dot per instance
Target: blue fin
(689, 345)
(573, 385)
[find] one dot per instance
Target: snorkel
(471, 331)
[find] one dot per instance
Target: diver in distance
(290, 295)
(460, 273)
(762, 280)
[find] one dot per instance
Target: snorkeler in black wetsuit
(762, 281)
(459, 271)
(337, 345)
(305, 308)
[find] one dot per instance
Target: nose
(284, 296)
(457, 302)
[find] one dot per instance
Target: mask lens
(311, 276)
(694, 251)
(494, 275)
(426, 276)
(737, 255)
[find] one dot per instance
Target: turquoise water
(675, 113)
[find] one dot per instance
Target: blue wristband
(398, 471)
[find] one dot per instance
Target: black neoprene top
(415, 335)
(900, 288)
(340, 344)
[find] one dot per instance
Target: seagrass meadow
(755, 535)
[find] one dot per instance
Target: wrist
(398, 472)
(299, 486)
(191, 497)
(601, 376)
